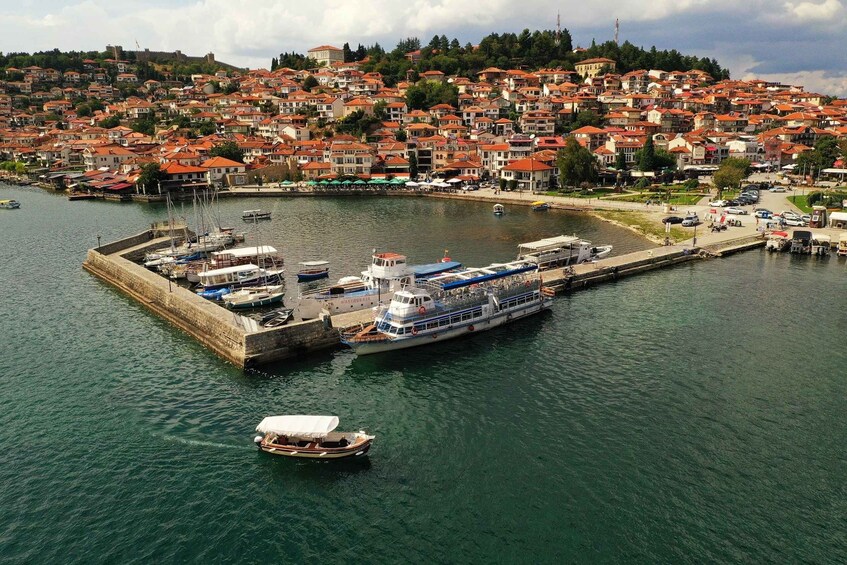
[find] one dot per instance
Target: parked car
(789, 215)
(736, 210)
(796, 222)
(732, 202)
(718, 203)
(672, 220)
(777, 189)
(470, 187)
(806, 218)
(763, 213)
(691, 220)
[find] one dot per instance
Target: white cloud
(819, 82)
(250, 32)
(826, 11)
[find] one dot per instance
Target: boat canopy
(246, 251)
(430, 269)
(548, 243)
(314, 263)
(300, 426)
(229, 270)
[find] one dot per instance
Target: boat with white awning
(310, 437)
(561, 251)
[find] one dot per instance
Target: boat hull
(426, 338)
(255, 303)
(306, 277)
(355, 450)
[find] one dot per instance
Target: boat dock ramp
(241, 341)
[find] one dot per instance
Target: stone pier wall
(232, 336)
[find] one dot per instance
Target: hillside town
(94, 131)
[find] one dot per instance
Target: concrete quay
(242, 342)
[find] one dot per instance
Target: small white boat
(842, 245)
(561, 251)
(10, 204)
(499, 209)
(254, 297)
(239, 276)
(600, 252)
(310, 437)
(250, 215)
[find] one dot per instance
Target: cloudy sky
(797, 41)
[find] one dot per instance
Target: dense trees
(357, 123)
(827, 150)
(151, 175)
(228, 150)
(576, 164)
(428, 94)
(730, 174)
(527, 49)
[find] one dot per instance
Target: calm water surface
(693, 414)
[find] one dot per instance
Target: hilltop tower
(558, 29)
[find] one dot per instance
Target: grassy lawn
(595, 193)
(646, 225)
(677, 198)
(801, 202)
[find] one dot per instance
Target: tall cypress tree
(647, 157)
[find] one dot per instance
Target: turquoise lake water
(695, 414)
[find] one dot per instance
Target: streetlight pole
(694, 241)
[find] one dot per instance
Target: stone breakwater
(235, 338)
(242, 342)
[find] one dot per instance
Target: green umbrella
(360, 181)
(397, 181)
(311, 183)
(287, 182)
(335, 182)
(324, 182)
(348, 181)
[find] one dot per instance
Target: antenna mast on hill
(617, 30)
(558, 29)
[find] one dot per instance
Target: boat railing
(463, 298)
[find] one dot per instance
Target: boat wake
(201, 443)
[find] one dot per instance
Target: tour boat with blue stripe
(453, 305)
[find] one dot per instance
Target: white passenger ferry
(453, 305)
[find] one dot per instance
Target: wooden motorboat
(312, 271)
(10, 204)
(310, 437)
(276, 318)
(250, 215)
(540, 205)
(254, 297)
